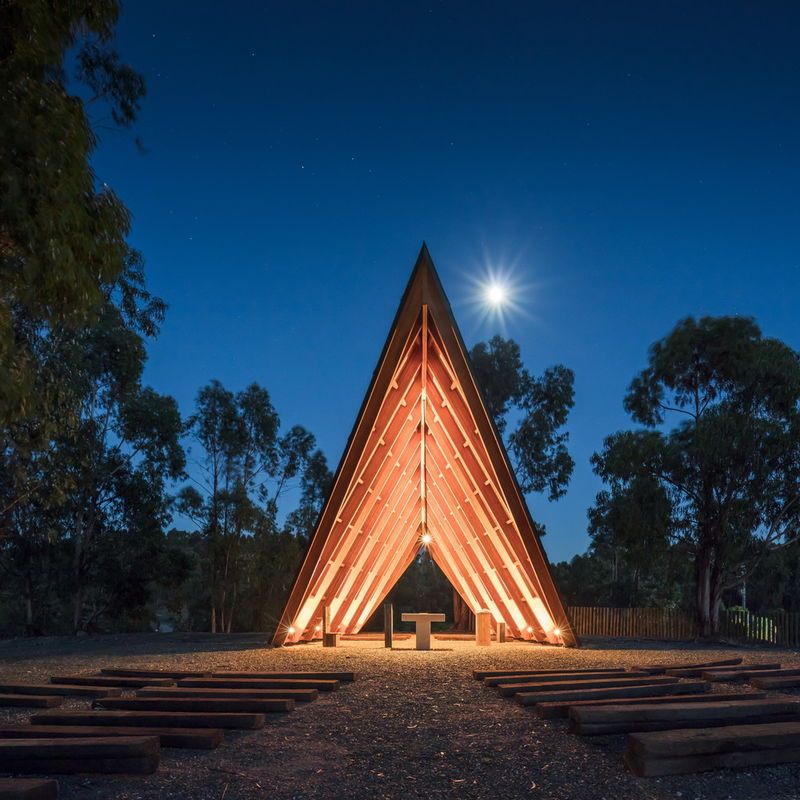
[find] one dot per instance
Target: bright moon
(496, 294)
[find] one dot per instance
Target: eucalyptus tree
(720, 408)
(62, 232)
(245, 468)
(535, 408)
(315, 485)
(278, 547)
(87, 476)
(121, 446)
(639, 568)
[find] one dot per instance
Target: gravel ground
(414, 724)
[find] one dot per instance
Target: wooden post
(388, 624)
(483, 628)
(328, 639)
(501, 631)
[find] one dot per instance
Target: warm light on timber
(496, 294)
(423, 457)
(543, 617)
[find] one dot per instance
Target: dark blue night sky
(626, 164)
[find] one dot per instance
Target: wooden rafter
(425, 458)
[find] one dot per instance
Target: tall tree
(730, 463)
(92, 467)
(315, 485)
(224, 503)
(630, 533)
(248, 467)
(584, 580)
(62, 235)
(537, 409)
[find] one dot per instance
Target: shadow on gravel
(603, 643)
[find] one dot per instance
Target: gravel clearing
(413, 725)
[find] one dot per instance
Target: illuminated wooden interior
(424, 467)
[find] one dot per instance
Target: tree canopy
(247, 468)
(529, 412)
(62, 233)
(718, 454)
(90, 455)
(93, 465)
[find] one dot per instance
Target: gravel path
(413, 725)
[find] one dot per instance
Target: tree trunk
(633, 600)
(716, 604)
(223, 592)
(222, 599)
(716, 598)
(229, 623)
(84, 535)
(214, 592)
(463, 619)
(29, 628)
(77, 577)
(77, 607)
(704, 601)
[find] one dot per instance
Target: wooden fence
(632, 623)
(779, 628)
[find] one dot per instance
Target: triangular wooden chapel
(425, 459)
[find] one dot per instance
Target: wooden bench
(561, 708)
(153, 673)
(696, 672)
(480, 674)
(107, 680)
(50, 689)
(159, 719)
(682, 751)
(649, 690)
(29, 701)
(258, 683)
(657, 669)
(190, 738)
(194, 705)
(124, 755)
(611, 719)
(509, 689)
(344, 677)
(298, 695)
(558, 677)
(740, 676)
(785, 682)
(28, 789)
